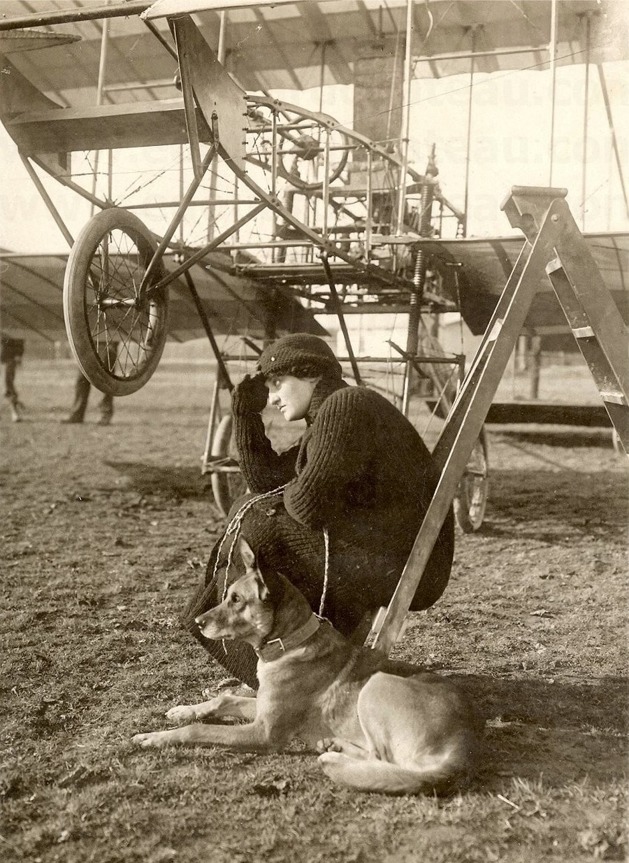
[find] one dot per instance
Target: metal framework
(347, 218)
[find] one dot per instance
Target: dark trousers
(359, 580)
(82, 386)
(10, 393)
(81, 395)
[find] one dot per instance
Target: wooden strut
(555, 247)
(224, 380)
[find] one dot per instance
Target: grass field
(104, 533)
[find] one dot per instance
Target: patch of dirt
(105, 531)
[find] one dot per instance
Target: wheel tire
(226, 487)
(106, 265)
(473, 490)
(617, 443)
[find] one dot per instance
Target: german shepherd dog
(379, 725)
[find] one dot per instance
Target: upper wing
(299, 45)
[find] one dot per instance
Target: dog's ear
(263, 588)
(247, 554)
(250, 562)
(270, 586)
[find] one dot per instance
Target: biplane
(255, 215)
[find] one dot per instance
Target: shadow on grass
(181, 482)
(560, 731)
(535, 500)
(557, 436)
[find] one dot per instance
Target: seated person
(338, 513)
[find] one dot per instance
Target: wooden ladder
(556, 249)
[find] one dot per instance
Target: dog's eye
(235, 597)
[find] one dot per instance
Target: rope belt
(234, 527)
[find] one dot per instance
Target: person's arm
(262, 468)
(340, 449)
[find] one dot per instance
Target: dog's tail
(439, 777)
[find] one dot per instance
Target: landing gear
(471, 497)
(116, 324)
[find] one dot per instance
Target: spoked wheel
(302, 155)
(116, 330)
(617, 443)
(228, 483)
(471, 496)
(304, 147)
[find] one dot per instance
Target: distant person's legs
(81, 395)
(10, 393)
(107, 401)
(106, 409)
(11, 352)
(82, 392)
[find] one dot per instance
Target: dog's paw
(328, 744)
(181, 715)
(150, 739)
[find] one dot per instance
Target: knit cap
(301, 355)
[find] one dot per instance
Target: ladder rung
(553, 266)
(583, 332)
(614, 398)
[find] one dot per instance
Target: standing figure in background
(82, 393)
(11, 356)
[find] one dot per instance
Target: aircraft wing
(298, 45)
(31, 301)
(484, 265)
(281, 45)
(31, 290)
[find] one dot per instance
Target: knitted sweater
(360, 469)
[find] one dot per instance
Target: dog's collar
(277, 647)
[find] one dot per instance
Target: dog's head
(248, 611)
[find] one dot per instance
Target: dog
(378, 725)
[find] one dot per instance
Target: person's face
(291, 395)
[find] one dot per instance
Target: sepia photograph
(314, 432)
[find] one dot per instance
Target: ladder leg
(595, 321)
(557, 249)
(466, 419)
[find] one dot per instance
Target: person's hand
(250, 395)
